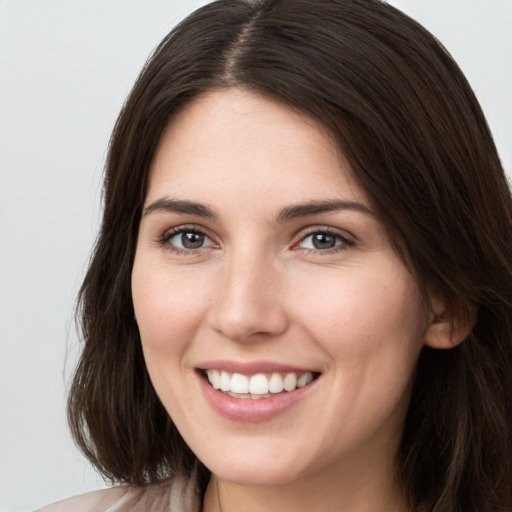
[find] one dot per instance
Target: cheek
(168, 308)
(371, 327)
(364, 315)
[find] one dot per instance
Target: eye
(324, 240)
(187, 239)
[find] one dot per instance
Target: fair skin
(233, 273)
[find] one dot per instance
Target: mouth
(258, 385)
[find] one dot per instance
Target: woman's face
(260, 262)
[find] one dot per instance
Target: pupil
(192, 240)
(323, 241)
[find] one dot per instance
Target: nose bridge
(248, 300)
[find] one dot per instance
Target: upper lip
(253, 367)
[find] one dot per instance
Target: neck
(352, 492)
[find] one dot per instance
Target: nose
(248, 304)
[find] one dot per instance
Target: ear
(449, 327)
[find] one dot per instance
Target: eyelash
(169, 235)
(344, 241)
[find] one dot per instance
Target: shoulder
(178, 494)
(95, 501)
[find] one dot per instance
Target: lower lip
(249, 410)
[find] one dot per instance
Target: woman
(301, 295)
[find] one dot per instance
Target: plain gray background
(65, 70)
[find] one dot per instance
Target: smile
(260, 385)
(254, 391)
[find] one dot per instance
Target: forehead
(256, 143)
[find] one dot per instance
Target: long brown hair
(407, 121)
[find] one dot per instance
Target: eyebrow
(318, 207)
(286, 214)
(180, 206)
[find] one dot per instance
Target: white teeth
(225, 381)
(275, 384)
(290, 382)
(239, 383)
(214, 378)
(304, 379)
(257, 386)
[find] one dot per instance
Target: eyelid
(348, 240)
(164, 239)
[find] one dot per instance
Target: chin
(262, 464)
(255, 475)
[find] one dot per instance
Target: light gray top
(178, 495)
